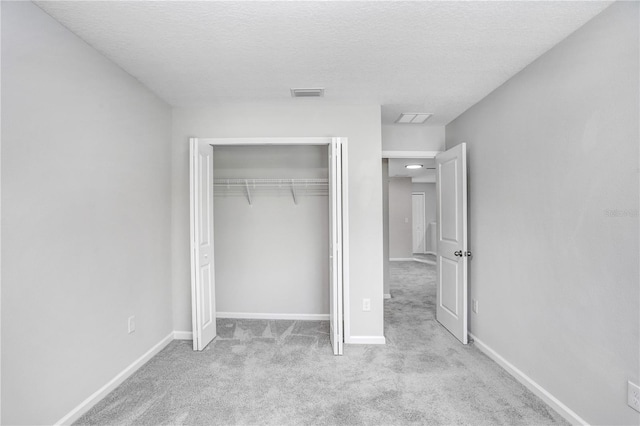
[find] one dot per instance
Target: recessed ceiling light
(414, 166)
(311, 92)
(413, 117)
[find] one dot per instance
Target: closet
(271, 225)
(267, 238)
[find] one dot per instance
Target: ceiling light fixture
(414, 166)
(312, 92)
(413, 117)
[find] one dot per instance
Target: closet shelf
(246, 187)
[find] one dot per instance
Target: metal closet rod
(295, 185)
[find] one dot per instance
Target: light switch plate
(366, 305)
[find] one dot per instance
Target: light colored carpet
(283, 373)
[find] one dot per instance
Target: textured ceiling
(439, 57)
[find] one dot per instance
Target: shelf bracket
(246, 186)
(293, 192)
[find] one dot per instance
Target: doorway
(203, 192)
(398, 184)
(443, 239)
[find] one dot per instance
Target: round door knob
(458, 253)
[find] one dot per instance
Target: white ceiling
(439, 57)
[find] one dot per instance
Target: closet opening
(268, 232)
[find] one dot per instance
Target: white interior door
(335, 246)
(452, 251)
(203, 307)
(417, 200)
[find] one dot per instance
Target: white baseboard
(401, 259)
(387, 296)
(297, 317)
(530, 384)
(428, 262)
(88, 403)
(182, 335)
(366, 340)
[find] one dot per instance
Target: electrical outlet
(132, 324)
(633, 396)
(474, 306)
(366, 305)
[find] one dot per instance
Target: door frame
(424, 217)
(430, 155)
(416, 155)
(307, 141)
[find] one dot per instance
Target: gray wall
(271, 256)
(553, 204)
(361, 124)
(403, 137)
(400, 216)
(85, 220)
(429, 190)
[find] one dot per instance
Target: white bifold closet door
(203, 304)
(335, 247)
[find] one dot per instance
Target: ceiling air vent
(316, 92)
(413, 117)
